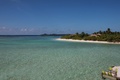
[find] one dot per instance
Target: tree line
(107, 35)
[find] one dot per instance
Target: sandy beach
(87, 41)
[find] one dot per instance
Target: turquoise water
(44, 58)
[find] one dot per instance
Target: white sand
(88, 41)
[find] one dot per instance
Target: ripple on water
(55, 60)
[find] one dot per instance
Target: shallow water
(43, 58)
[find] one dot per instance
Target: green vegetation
(103, 72)
(107, 35)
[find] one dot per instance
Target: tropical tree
(108, 31)
(77, 33)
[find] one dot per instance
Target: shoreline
(87, 41)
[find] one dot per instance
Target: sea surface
(44, 58)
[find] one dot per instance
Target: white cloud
(27, 30)
(31, 30)
(10, 29)
(3, 27)
(23, 30)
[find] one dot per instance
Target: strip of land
(87, 41)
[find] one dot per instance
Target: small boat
(112, 74)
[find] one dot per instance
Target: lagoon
(44, 58)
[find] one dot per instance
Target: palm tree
(108, 30)
(77, 33)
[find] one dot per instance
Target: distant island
(107, 35)
(53, 34)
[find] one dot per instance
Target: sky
(34, 17)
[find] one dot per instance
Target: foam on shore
(88, 41)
